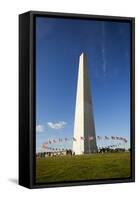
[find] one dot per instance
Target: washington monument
(84, 139)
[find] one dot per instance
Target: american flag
(45, 143)
(43, 146)
(125, 140)
(82, 138)
(90, 137)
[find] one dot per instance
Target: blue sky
(59, 43)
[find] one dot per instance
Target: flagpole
(89, 145)
(124, 144)
(80, 144)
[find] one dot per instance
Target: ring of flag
(90, 138)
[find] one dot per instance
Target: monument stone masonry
(84, 138)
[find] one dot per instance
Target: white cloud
(40, 128)
(58, 125)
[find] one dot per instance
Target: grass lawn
(83, 167)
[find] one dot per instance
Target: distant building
(54, 153)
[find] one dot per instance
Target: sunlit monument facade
(84, 138)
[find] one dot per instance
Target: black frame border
(28, 178)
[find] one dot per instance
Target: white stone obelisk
(84, 138)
